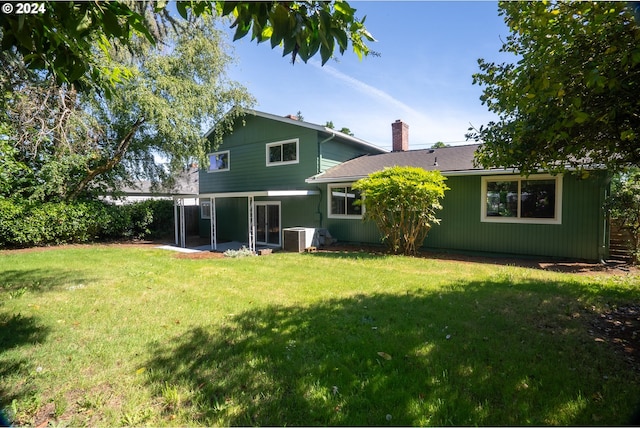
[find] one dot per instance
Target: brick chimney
(400, 136)
(292, 117)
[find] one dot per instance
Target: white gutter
(261, 193)
(318, 178)
(461, 173)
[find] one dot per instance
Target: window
(342, 202)
(536, 199)
(219, 161)
(205, 210)
(282, 152)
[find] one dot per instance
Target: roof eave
(454, 173)
(308, 125)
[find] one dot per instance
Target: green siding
(334, 153)
(580, 236)
(300, 211)
(248, 172)
(247, 154)
(232, 221)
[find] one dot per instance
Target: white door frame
(266, 203)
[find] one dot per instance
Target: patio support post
(214, 225)
(175, 219)
(252, 224)
(183, 238)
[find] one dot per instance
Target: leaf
(267, 32)
(111, 24)
(160, 5)
(341, 37)
(326, 51)
(241, 30)
(181, 7)
(384, 355)
(344, 8)
(581, 117)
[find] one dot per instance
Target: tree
(76, 142)
(60, 37)
(624, 205)
(439, 145)
(403, 202)
(569, 99)
(344, 129)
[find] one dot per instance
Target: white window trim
(280, 143)
(342, 216)
(490, 219)
(219, 153)
(255, 216)
(202, 213)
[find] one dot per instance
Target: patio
(196, 246)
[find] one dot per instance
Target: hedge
(26, 224)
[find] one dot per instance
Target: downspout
(319, 163)
(318, 167)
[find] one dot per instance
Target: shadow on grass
(552, 265)
(503, 352)
(15, 331)
(13, 282)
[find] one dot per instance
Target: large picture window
(536, 199)
(342, 202)
(282, 152)
(219, 161)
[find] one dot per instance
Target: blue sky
(429, 51)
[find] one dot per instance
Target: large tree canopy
(61, 37)
(570, 97)
(64, 142)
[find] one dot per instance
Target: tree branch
(110, 163)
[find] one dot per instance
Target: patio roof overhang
(250, 195)
(260, 193)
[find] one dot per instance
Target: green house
(273, 173)
(254, 185)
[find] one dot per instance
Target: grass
(104, 336)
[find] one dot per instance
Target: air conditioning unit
(297, 239)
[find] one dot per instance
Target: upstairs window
(282, 152)
(219, 161)
(342, 202)
(536, 199)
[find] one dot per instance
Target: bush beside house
(403, 202)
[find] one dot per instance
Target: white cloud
(367, 89)
(372, 120)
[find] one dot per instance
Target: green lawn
(107, 335)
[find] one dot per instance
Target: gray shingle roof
(186, 183)
(447, 160)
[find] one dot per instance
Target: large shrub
(28, 224)
(148, 218)
(403, 202)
